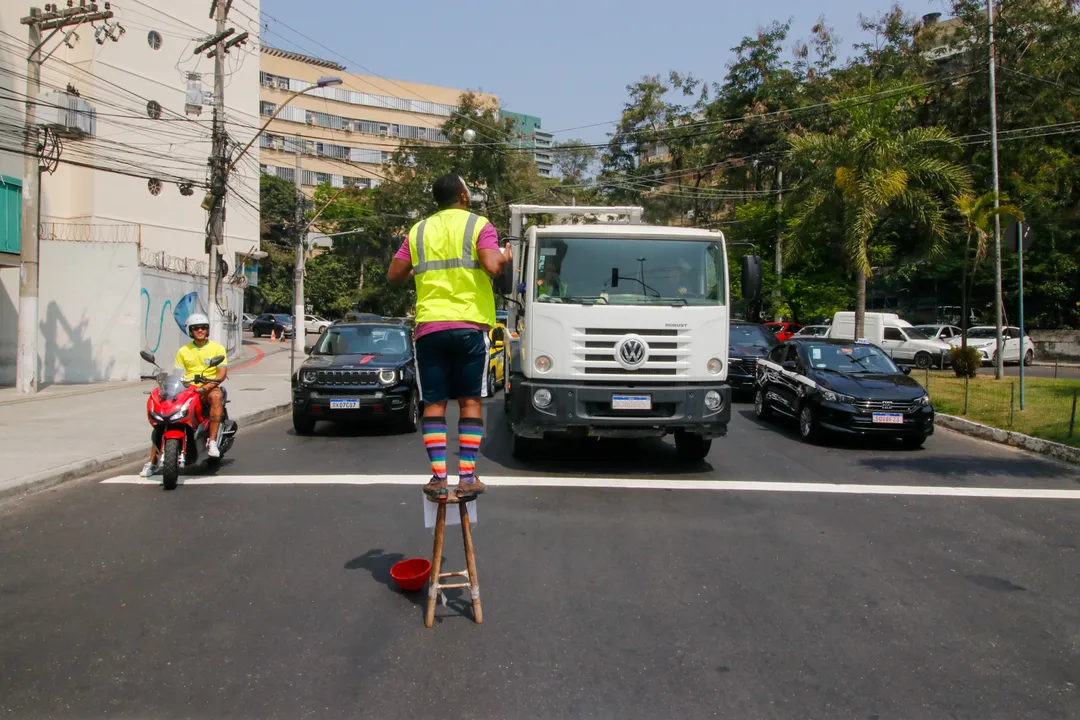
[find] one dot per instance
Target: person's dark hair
(447, 189)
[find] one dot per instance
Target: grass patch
(1048, 403)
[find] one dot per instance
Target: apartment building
(347, 133)
(529, 135)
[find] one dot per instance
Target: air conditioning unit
(66, 114)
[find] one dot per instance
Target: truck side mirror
(504, 281)
(614, 277)
(751, 277)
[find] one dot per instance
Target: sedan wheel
(923, 360)
(761, 409)
(1029, 357)
(808, 427)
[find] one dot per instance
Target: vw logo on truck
(631, 352)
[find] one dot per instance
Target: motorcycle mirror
(147, 356)
(216, 360)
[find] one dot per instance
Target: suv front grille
(347, 377)
(897, 406)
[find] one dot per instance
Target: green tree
(574, 160)
(869, 171)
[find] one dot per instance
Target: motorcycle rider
(193, 359)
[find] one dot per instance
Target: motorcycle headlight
(836, 397)
(181, 413)
(309, 377)
(388, 377)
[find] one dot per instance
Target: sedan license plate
(344, 404)
(631, 402)
(889, 418)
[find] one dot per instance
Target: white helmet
(196, 319)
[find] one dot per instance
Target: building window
(10, 214)
(266, 108)
(153, 39)
(153, 109)
(282, 83)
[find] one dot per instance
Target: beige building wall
(412, 107)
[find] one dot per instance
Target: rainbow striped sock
(434, 430)
(470, 433)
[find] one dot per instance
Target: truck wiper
(592, 299)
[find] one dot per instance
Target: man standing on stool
(451, 255)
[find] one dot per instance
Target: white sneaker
(149, 469)
(212, 449)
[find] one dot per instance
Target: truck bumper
(586, 410)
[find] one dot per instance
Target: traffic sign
(1010, 236)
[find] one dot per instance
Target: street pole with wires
(778, 294)
(1000, 361)
(299, 328)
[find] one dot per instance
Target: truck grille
(897, 406)
(593, 353)
(340, 378)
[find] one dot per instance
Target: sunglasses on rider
(200, 327)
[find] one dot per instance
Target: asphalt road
(264, 601)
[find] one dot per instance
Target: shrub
(965, 361)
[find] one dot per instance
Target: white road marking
(626, 484)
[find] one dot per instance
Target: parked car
(496, 360)
(843, 386)
(945, 333)
(358, 371)
(813, 331)
(746, 343)
(277, 323)
(984, 339)
(246, 321)
(315, 324)
(897, 337)
(783, 330)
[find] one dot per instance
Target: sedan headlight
(309, 377)
(388, 377)
(836, 397)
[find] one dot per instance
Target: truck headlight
(387, 377)
(542, 398)
(714, 366)
(542, 363)
(309, 377)
(713, 400)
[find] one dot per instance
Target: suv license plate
(631, 402)
(889, 418)
(346, 405)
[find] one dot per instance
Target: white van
(903, 342)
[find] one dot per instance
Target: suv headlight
(388, 377)
(309, 377)
(923, 399)
(836, 397)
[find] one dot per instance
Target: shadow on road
(786, 426)
(357, 428)
(958, 467)
(378, 563)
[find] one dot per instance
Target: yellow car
(496, 360)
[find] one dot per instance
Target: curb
(73, 471)
(1057, 451)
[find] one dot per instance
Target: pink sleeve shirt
(488, 240)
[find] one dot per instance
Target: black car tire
(411, 422)
(761, 406)
(302, 423)
(808, 423)
(691, 448)
(912, 443)
(525, 448)
(491, 387)
(255, 333)
(1029, 358)
(170, 466)
(923, 361)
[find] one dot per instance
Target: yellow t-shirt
(193, 360)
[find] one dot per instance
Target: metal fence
(1049, 409)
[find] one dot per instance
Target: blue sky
(568, 62)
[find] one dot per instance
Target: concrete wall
(88, 328)
(1061, 345)
(9, 323)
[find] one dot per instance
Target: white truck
(621, 330)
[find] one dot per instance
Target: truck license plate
(889, 418)
(631, 402)
(338, 404)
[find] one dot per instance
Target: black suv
(358, 371)
(746, 343)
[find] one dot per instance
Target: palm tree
(976, 215)
(866, 171)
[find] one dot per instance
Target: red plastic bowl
(411, 574)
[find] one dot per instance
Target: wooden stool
(434, 586)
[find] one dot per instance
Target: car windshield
(982, 332)
(850, 359)
(752, 335)
(626, 271)
(282, 318)
(915, 333)
(928, 329)
(813, 330)
(363, 340)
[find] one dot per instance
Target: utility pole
(218, 44)
(299, 329)
(999, 370)
(778, 293)
(26, 375)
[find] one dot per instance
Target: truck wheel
(923, 360)
(525, 448)
(761, 406)
(170, 466)
(302, 424)
(692, 448)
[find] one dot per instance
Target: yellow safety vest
(451, 285)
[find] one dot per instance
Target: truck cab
(622, 331)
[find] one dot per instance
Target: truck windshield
(626, 271)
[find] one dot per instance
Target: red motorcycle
(181, 424)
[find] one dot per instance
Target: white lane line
(626, 484)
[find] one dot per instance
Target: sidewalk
(68, 431)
